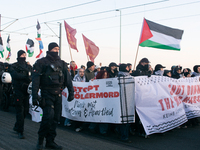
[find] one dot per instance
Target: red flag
(91, 49)
(71, 36)
(146, 33)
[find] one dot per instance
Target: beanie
(89, 64)
(52, 45)
(20, 52)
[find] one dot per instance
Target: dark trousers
(51, 116)
(22, 107)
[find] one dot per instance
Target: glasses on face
(81, 71)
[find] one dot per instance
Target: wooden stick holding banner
(71, 57)
(136, 57)
(88, 57)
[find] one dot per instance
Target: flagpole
(70, 52)
(88, 57)
(71, 57)
(136, 56)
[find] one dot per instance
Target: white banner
(191, 101)
(95, 101)
(162, 103)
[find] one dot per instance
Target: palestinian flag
(159, 36)
(38, 29)
(8, 44)
(1, 47)
(8, 48)
(30, 47)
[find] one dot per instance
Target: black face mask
(146, 67)
(53, 54)
(21, 59)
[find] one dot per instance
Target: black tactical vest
(52, 75)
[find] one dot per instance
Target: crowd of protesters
(92, 72)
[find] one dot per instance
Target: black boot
(39, 145)
(21, 136)
(53, 145)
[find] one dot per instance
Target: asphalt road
(183, 139)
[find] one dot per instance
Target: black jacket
(50, 75)
(141, 71)
(21, 77)
(111, 74)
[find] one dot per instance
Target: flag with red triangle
(159, 36)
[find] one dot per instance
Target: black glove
(70, 97)
(35, 102)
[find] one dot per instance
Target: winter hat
(122, 67)
(158, 67)
(113, 64)
(52, 45)
(144, 60)
(20, 52)
(89, 64)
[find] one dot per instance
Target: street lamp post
(119, 36)
(60, 33)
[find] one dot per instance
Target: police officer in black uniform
(21, 77)
(50, 74)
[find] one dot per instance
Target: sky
(99, 21)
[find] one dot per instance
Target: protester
(112, 70)
(167, 73)
(80, 77)
(123, 70)
(73, 68)
(51, 75)
(159, 70)
(130, 67)
(103, 74)
(89, 72)
(176, 73)
(196, 70)
(142, 68)
(123, 129)
(97, 69)
(21, 77)
(83, 67)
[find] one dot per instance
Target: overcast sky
(99, 21)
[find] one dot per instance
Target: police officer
(50, 74)
(21, 77)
